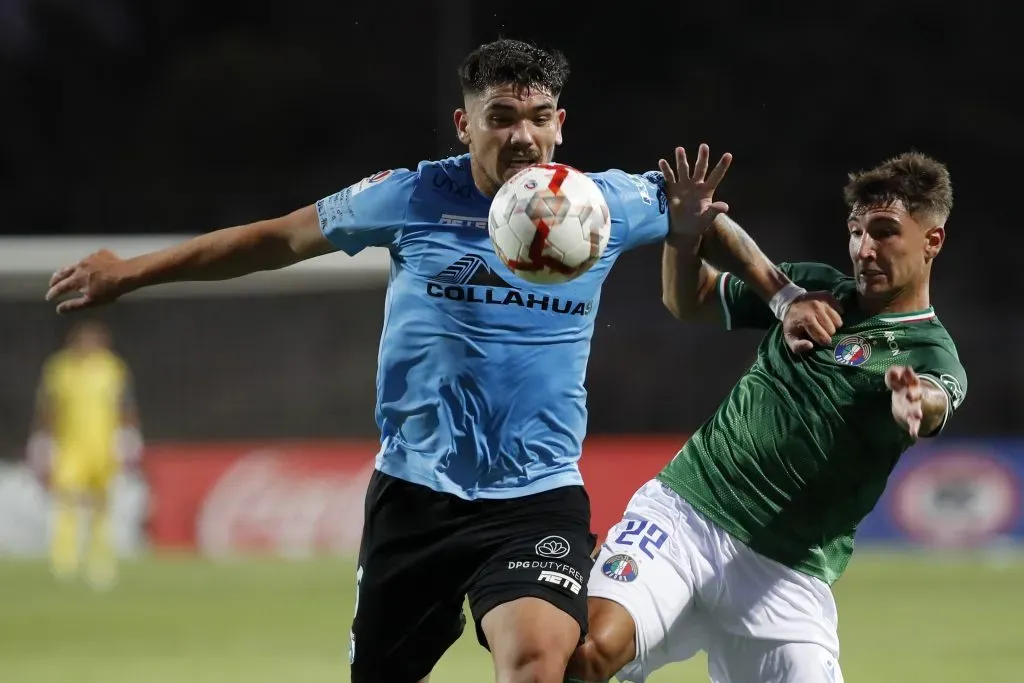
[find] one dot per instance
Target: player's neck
(487, 187)
(910, 300)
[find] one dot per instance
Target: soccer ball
(549, 223)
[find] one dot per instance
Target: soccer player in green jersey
(733, 547)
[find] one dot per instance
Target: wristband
(784, 298)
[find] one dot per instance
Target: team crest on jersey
(620, 568)
(369, 180)
(852, 351)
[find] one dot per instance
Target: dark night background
(179, 116)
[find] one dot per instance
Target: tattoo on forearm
(728, 247)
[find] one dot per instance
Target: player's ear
(560, 116)
(461, 118)
(934, 239)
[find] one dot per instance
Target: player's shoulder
(442, 181)
(116, 362)
(930, 335)
(383, 186)
(641, 190)
(453, 164)
(457, 168)
(817, 276)
(933, 352)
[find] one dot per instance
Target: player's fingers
(719, 207)
(903, 377)
(798, 345)
(817, 332)
(833, 315)
(60, 279)
(75, 304)
(828, 299)
(894, 377)
(700, 168)
(666, 170)
(60, 274)
(719, 171)
(64, 286)
(824, 319)
(682, 164)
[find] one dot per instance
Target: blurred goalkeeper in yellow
(86, 431)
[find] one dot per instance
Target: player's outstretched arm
(701, 237)
(102, 277)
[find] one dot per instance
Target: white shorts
(690, 586)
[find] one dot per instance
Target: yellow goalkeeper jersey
(86, 393)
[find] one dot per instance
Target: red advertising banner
(306, 498)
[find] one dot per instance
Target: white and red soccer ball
(549, 223)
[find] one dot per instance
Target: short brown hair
(919, 181)
(514, 62)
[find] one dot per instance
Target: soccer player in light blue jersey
(480, 391)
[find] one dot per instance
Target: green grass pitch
(903, 617)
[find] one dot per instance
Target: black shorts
(423, 552)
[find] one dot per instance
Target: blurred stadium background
(132, 125)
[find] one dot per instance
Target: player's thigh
(740, 659)
(537, 560)
(530, 639)
(644, 566)
(409, 584)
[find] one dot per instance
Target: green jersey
(800, 450)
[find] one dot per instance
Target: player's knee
(531, 640)
(596, 660)
(537, 657)
(534, 664)
(609, 646)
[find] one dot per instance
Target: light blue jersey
(480, 380)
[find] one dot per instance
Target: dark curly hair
(515, 62)
(920, 182)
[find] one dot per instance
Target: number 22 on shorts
(651, 537)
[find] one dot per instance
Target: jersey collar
(911, 317)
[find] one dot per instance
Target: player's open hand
(812, 318)
(690, 196)
(907, 397)
(97, 279)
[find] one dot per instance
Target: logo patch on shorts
(561, 580)
(620, 568)
(552, 546)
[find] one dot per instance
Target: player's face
(891, 250)
(508, 128)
